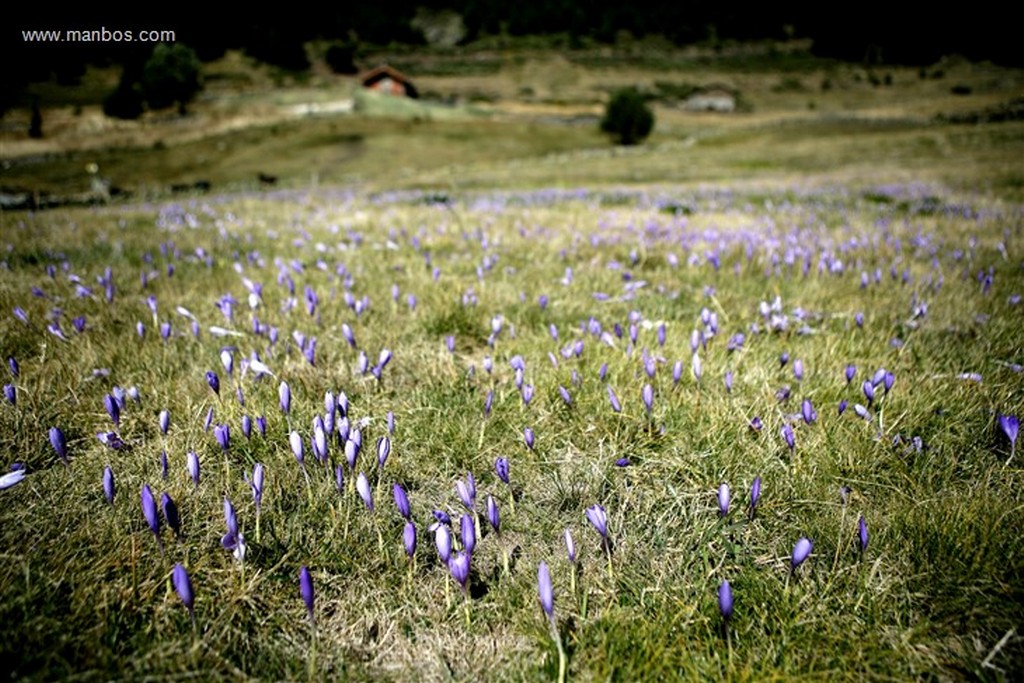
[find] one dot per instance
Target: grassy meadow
(827, 305)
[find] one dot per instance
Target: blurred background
(460, 93)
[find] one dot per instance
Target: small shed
(384, 79)
(713, 98)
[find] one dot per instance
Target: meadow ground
(830, 308)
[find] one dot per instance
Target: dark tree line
(852, 31)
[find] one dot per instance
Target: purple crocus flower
(851, 370)
(725, 600)
(295, 441)
(807, 411)
(261, 424)
(788, 436)
(501, 468)
(59, 443)
(402, 501)
(801, 551)
(570, 546)
(12, 363)
(647, 394)
(597, 516)
(284, 395)
(488, 402)
(869, 391)
(149, 511)
(383, 450)
(223, 435)
(723, 500)
(862, 532)
(443, 541)
(468, 531)
(493, 515)
(616, 406)
(755, 495)
(171, 513)
(11, 394)
(1010, 425)
(113, 409)
(247, 426)
(209, 420)
(842, 406)
(459, 568)
(339, 478)
(363, 487)
(183, 586)
(256, 483)
(544, 589)
(213, 381)
(728, 381)
(528, 437)
(756, 424)
(164, 421)
(409, 539)
(193, 467)
(467, 492)
(306, 590)
(798, 370)
(108, 484)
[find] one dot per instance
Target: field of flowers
(521, 435)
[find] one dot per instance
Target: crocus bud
(409, 539)
(306, 590)
(108, 484)
(501, 468)
(725, 600)
(164, 420)
(183, 586)
(213, 381)
(570, 546)
(723, 500)
(59, 443)
(443, 541)
(401, 501)
(862, 531)
(544, 589)
(284, 395)
(363, 486)
(171, 513)
(801, 551)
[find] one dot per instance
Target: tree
(627, 117)
(171, 76)
(126, 100)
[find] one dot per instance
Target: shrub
(627, 118)
(171, 76)
(126, 100)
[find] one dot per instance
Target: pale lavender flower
(468, 530)
(149, 511)
(108, 484)
(545, 590)
(723, 499)
(528, 437)
(193, 467)
(459, 568)
(501, 468)
(755, 496)
(647, 394)
(862, 533)
(570, 546)
(222, 433)
(725, 600)
(616, 406)
(11, 478)
(295, 442)
(597, 516)
(443, 541)
(213, 381)
(164, 421)
(183, 586)
(493, 515)
(113, 409)
(801, 551)
(284, 395)
(401, 501)
(409, 539)
(363, 486)
(59, 443)
(788, 436)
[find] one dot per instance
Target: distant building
(712, 98)
(388, 81)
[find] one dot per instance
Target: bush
(341, 58)
(627, 118)
(171, 76)
(126, 100)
